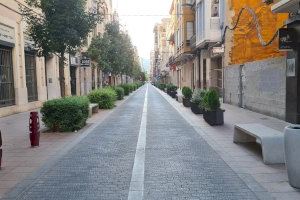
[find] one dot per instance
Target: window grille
(31, 78)
(7, 91)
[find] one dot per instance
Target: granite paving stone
(179, 163)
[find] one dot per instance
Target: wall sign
(291, 67)
(287, 39)
(85, 62)
(7, 34)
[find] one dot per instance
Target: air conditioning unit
(286, 6)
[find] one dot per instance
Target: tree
(62, 27)
(114, 52)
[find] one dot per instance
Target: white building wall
(208, 27)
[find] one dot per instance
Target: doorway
(73, 80)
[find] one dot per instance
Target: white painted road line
(136, 190)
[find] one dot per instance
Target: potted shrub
(172, 90)
(213, 114)
(292, 151)
(187, 95)
(197, 101)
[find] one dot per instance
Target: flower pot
(173, 94)
(214, 118)
(292, 152)
(186, 102)
(196, 109)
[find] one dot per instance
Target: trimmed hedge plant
(66, 114)
(120, 92)
(211, 100)
(198, 97)
(105, 98)
(187, 92)
(126, 88)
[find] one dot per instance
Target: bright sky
(140, 28)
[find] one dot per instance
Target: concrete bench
(93, 108)
(271, 141)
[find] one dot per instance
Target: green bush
(211, 101)
(171, 88)
(66, 114)
(162, 86)
(132, 87)
(126, 88)
(105, 98)
(198, 97)
(187, 92)
(120, 92)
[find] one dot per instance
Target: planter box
(186, 102)
(214, 118)
(292, 152)
(196, 109)
(173, 94)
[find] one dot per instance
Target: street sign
(218, 50)
(85, 62)
(287, 39)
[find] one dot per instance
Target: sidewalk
(20, 160)
(245, 160)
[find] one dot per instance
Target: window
(189, 30)
(215, 8)
(200, 21)
(7, 92)
(31, 83)
(178, 9)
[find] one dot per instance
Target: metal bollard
(34, 128)
(0, 149)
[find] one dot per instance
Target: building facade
(85, 76)
(179, 33)
(26, 80)
(207, 44)
(225, 45)
(255, 75)
(161, 52)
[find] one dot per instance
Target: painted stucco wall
(243, 44)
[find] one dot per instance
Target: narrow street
(174, 163)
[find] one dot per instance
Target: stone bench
(93, 108)
(271, 141)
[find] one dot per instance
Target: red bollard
(34, 128)
(0, 149)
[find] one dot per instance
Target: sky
(140, 28)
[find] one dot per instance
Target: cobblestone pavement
(179, 164)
